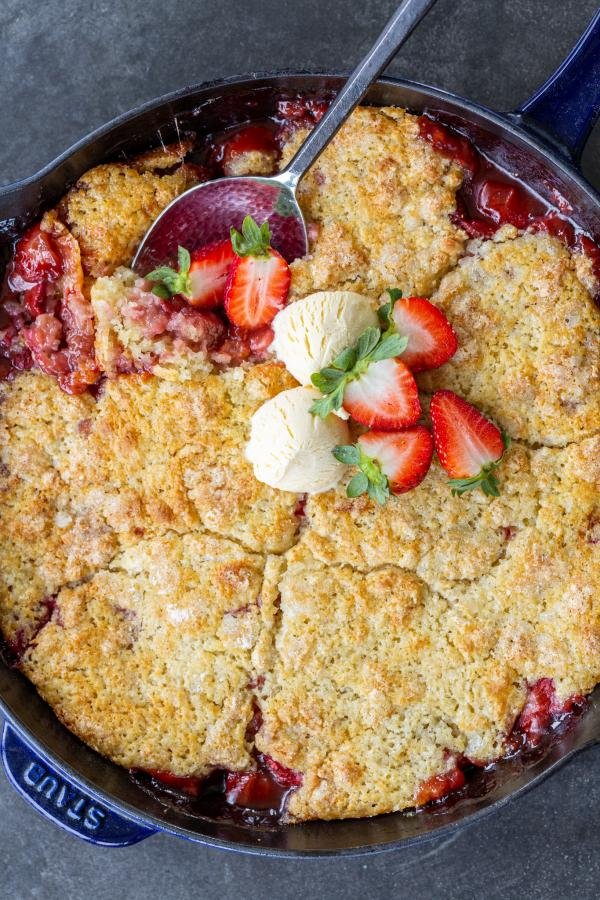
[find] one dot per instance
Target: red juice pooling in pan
(489, 198)
(256, 796)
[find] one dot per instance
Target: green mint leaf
(367, 341)
(394, 294)
(346, 360)
(347, 453)
(184, 260)
(390, 346)
(161, 291)
(253, 240)
(357, 485)
(329, 403)
(171, 282)
(327, 380)
(385, 314)
(486, 480)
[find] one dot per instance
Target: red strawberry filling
(489, 198)
(439, 786)
(45, 319)
(259, 795)
(542, 714)
(228, 153)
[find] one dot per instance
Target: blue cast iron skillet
(67, 781)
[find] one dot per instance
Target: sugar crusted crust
(166, 588)
(380, 199)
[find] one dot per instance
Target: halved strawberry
(200, 278)
(384, 396)
(468, 445)
(208, 274)
(431, 338)
(403, 456)
(259, 278)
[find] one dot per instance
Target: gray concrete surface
(67, 66)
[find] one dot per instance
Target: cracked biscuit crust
(147, 580)
(375, 681)
(371, 686)
(149, 661)
(528, 337)
(80, 479)
(380, 198)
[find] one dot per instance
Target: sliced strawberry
(208, 274)
(431, 338)
(385, 396)
(404, 456)
(259, 278)
(468, 445)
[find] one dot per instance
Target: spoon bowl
(207, 212)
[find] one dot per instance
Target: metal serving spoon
(206, 212)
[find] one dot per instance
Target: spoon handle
(401, 24)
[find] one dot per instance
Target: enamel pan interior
(203, 110)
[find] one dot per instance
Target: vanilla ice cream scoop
(290, 449)
(310, 333)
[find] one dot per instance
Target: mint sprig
(485, 479)
(254, 239)
(370, 479)
(372, 346)
(170, 282)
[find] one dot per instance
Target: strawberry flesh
(208, 274)
(183, 784)
(431, 338)
(385, 396)
(257, 288)
(465, 441)
(439, 786)
(253, 138)
(404, 456)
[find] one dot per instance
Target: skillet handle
(565, 108)
(62, 801)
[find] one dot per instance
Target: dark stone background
(67, 66)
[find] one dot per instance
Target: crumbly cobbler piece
(112, 206)
(170, 455)
(81, 479)
(427, 529)
(50, 534)
(379, 199)
(149, 661)
(542, 600)
(375, 681)
(528, 338)
(136, 331)
(369, 690)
